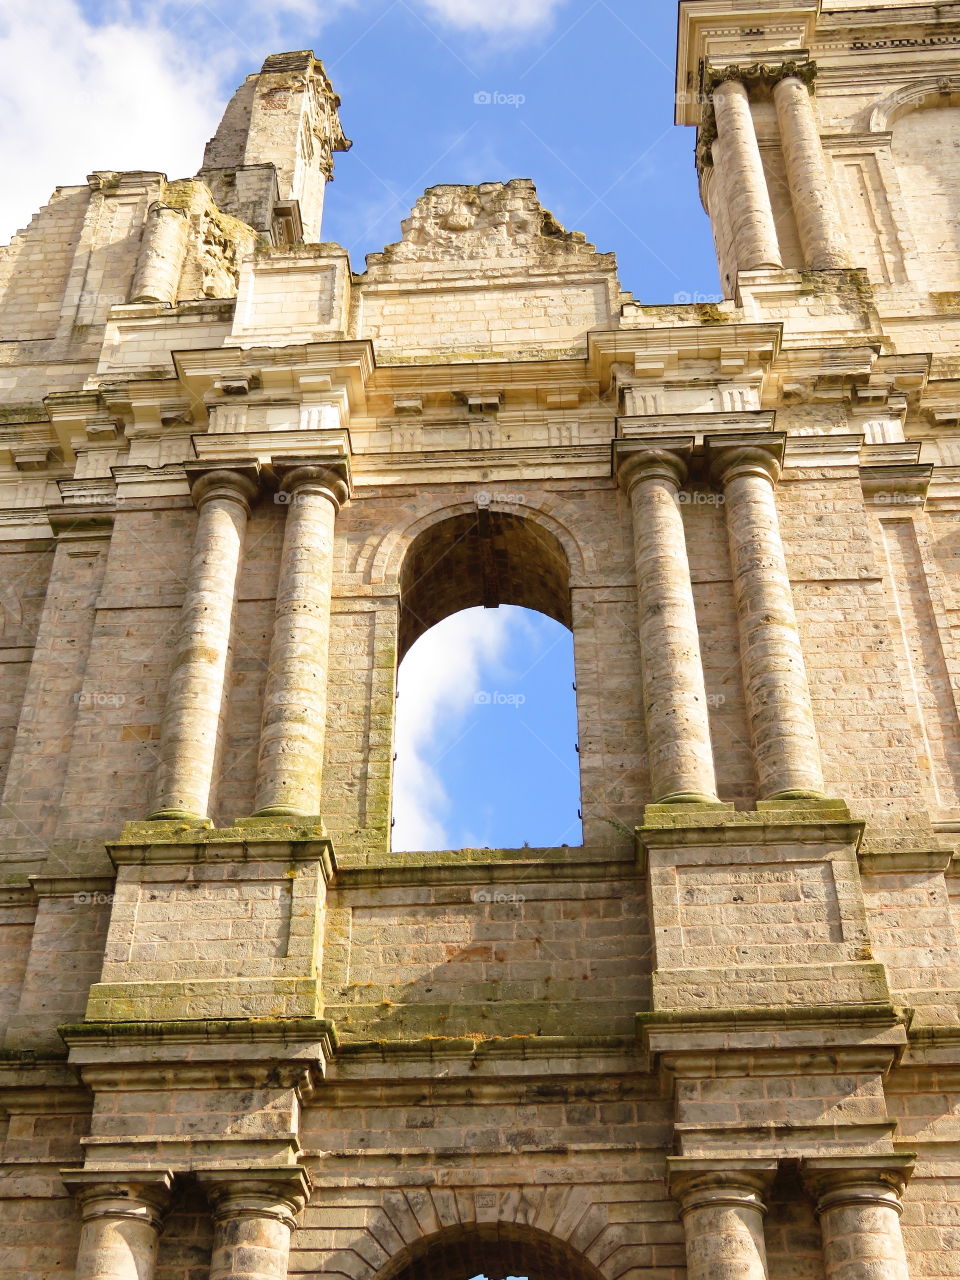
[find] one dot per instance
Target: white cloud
(495, 15)
(143, 85)
(77, 96)
(439, 680)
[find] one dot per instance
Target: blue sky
(582, 103)
(140, 84)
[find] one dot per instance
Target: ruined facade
(238, 479)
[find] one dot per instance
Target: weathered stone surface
(244, 1038)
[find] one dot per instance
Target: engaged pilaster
(859, 1205)
(723, 1211)
(254, 1217)
(122, 1221)
(818, 221)
(786, 750)
(751, 212)
(191, 722)
(295, 703)
(675, 700)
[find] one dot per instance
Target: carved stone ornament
(492, 222)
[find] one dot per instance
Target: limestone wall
(719, 1039)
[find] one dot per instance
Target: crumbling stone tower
(238, 480)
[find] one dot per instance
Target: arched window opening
(496, 1251)
(486, 725)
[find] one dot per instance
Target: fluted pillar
(254, 1217)
(723, 1211)
(859, 1206)
(818, 221)
(751, 212)
(191, 723)
(163, 251)
(295, 703)
(786, 751)
(121, 1226)
(674, 696)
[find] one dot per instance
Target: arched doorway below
(496, 1251)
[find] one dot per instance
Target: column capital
(754, 453)
(660, 458)
(703, 1183)
(238, 481)
(278, 1194)
(839, 1181)
(137, 1194)
(756, 74)
(328, 475)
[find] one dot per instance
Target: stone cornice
(667, 345)
(262, 840)
(895, 486)
(766, 31)
(489, 871)
(231, 1039)
(869, 1036)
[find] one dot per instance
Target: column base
(276, 816)
(180, 816)
(810, 803)
(687, 802)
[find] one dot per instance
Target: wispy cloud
(141, 84)
(78, 96)
(439, 680)
(495, 16)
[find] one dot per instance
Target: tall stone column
(162, 254)
(787, 754)
(254, 1216)
(121, 1226)
(295, 703)
(751, 213)
(818, 221)
(859, 1206)
(723, 1211)
(674, 696)
(190, 730)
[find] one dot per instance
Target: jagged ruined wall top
(496, 223)
(286, 116)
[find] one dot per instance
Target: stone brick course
(243, 1037)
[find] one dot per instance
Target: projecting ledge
(201, 1040)
(875, 1027)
